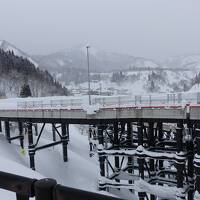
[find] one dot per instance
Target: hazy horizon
(146, 28)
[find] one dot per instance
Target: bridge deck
(103, 114)
(165, 107)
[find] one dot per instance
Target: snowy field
(81, 171)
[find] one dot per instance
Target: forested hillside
(15, 71)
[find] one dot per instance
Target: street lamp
(88, 62)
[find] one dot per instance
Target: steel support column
(0, 126)
(54, 132)
(7, 130)
(64, 141)
(190, 159)
(36, 129)
(129, 144)
(140, 128)
(90, 138)
(31, 146)
(101, 142)
(160, 138)
(116, 143)
(21, 139)
(197, 162)
(151, 143)
(180, 163)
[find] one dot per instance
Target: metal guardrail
(44, 189)
(119, 101)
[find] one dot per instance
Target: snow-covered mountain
(139, 82)
(183, 62)
(16, 72)
(71, 65)
(140, 75)
(6, 46)
(100, 61)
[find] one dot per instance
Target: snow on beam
(164, 192)
(141, 152)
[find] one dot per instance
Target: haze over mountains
(138, 75)
(100, 61)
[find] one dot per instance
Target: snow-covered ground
(140, 82)
(81, 171)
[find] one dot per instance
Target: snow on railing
(167, 99)
(56, 103)
(149, 100)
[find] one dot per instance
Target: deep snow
(81, 171)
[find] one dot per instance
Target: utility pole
(88, 62)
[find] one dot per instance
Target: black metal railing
(44, 189)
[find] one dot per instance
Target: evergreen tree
(15, 71)
(25, 91)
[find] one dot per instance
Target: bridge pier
(21, 137)
(140, 128)
(36, 129)
(90, 139)
(190, 158)
(54, 132)
(160, 139)
(180, 161)
(116, 144)
(130, 163)
(151, 143)
(31, 146)
(7, 130)
(197, 163)
(64, 141)
(100, 148)
(0, 126)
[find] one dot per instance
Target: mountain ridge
(6, 46)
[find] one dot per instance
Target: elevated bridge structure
(147, 145)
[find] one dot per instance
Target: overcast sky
(149, 28)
